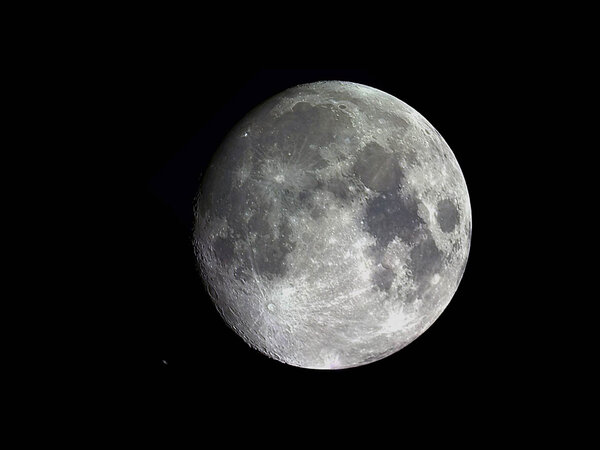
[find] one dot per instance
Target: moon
(332, 226)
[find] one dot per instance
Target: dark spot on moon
(342, 106)
(305, 199)
(338, 187)
(447, 215)
(425, 259)
(392, 215)
(378, 169)
(302, 107)
(223, 249)
(410, 297)
(383, 278)
(270, 250)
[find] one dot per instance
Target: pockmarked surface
(333, 226)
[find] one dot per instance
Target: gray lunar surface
(332, 226)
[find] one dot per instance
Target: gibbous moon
(332, 226)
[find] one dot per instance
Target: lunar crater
(447, 215)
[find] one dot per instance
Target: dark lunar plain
(174, 346)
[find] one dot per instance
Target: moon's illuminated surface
(333, 226)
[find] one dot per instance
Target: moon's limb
(333, 226)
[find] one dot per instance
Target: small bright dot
(165, 362)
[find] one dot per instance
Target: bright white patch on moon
(333, 226)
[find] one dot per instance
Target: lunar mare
(332, 226)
